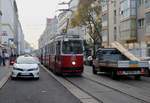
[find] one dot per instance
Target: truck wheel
(148, 73)
(137, 77)
(114, 75)
(94, 70)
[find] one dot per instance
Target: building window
(115, 16)
(140, 2)
(114, 2)
(128, 8)
(104, 17)
(147, 21)
(140, 23)
(0, 13)
(147, 4)
(133, 24)
(104, 35)
(115, 33)
(128, 29)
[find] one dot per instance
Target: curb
(81, 95)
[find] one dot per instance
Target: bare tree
(89, 15)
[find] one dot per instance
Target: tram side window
(58, 47)
(52, 50)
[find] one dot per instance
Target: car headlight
(33, 69)
(17, 69)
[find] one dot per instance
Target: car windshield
(26, 60)
(72, 47)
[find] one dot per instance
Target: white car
(25, 66)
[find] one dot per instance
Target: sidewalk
(4, 74)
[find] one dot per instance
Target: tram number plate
(131, 72)
(134, 64)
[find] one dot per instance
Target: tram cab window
(72, 47)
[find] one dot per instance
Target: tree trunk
(94, 48)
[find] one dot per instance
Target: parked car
(25, 66)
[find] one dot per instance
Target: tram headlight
(73, 63)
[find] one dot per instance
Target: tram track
(117, 90)
(83, 97)
(142, 84)
(110, 87)
(126, 88)
(86, 77)
(100, 101)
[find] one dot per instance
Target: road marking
(82, 96)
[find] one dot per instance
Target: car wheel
(37, 78)
(13, 78)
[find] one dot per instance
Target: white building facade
(20, 42)
(10, 26)
(127, 21)
(49, 32)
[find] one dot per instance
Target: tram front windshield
(72, 47)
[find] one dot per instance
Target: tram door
(57, 58)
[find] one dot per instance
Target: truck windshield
(110, 55)
(72, 47)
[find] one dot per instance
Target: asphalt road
(108, 95)
(102, 93)
(44, 90)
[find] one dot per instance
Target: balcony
(147, 4)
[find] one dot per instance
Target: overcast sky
(33, 14)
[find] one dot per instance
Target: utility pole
(108, 23)
(0, 20)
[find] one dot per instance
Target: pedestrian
(3, 58)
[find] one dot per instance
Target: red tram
(64, 55)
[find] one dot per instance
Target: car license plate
(25, 74)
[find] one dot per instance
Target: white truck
(113, 62)
(147, 59)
